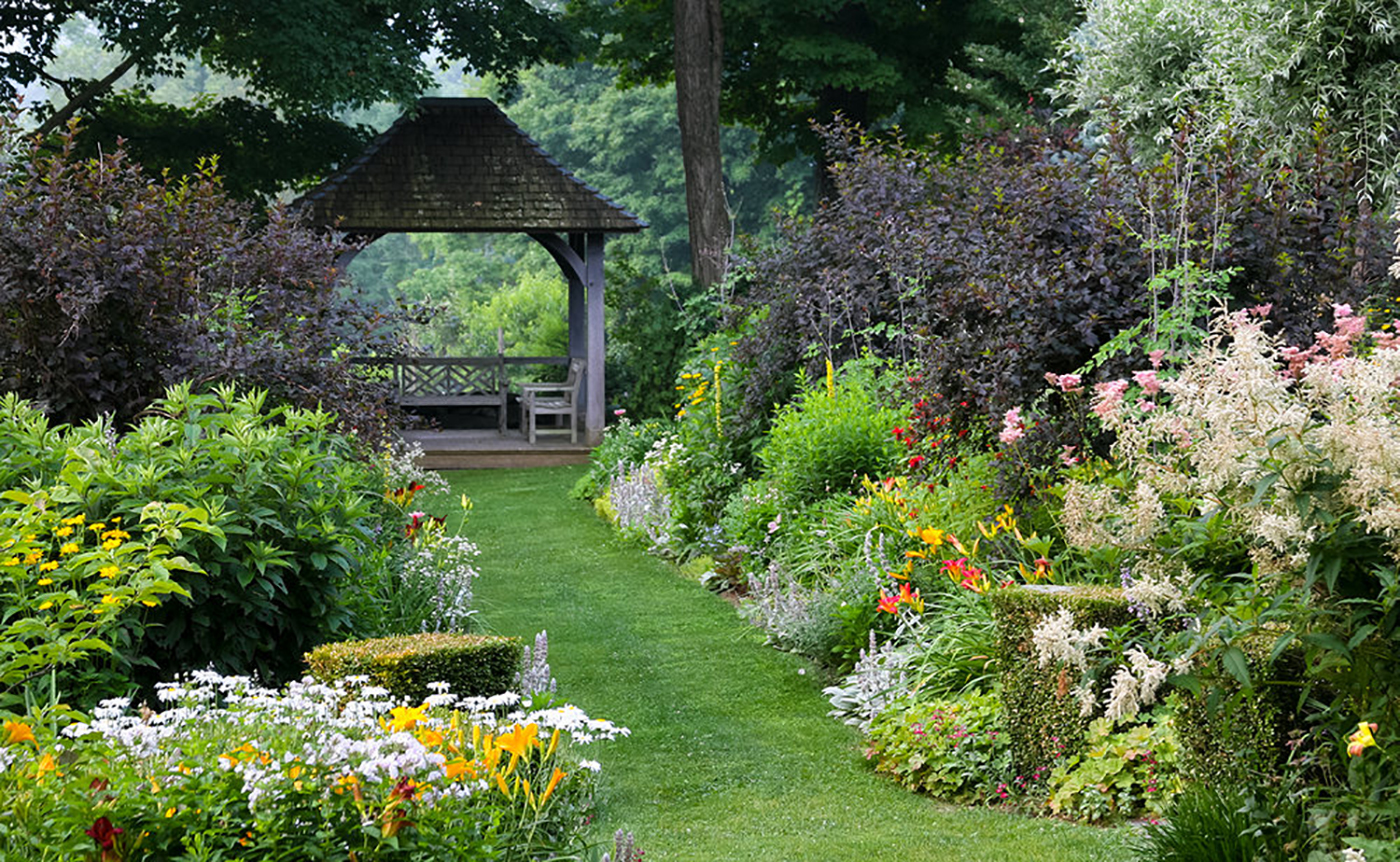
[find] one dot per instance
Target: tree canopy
(299, 62)
(926, 66)
(1267, 71)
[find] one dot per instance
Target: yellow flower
(150, 603)
(12, 561)
(17, 732)
(405, 717)
(32, 557)
(116, 534)
(43, 606)
(63, 531)
(98, 527)
(111, 544)
(44, 582)
(110, 599)
(69, 548)
(49, 566)
(1362, 739)
(107, 572)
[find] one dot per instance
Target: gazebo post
(593, 275)
(578, 314)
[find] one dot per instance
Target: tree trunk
(699, 62)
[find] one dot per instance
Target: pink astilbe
(1108, 397)
(1012, 428)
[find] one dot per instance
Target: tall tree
(304, 59)
(699, 64)
(787, 63)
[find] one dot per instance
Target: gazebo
(461, 166)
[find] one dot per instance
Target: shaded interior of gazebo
(462, 166)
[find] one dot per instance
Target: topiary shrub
(1043, 719)
(1232, 737)
(473, 665)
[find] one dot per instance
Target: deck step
(482, 449)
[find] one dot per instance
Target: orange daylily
(17, 732)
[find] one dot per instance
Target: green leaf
(1235, 663)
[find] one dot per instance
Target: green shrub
(953, 748)
(474, 665)
(827, 440)
(294, 510)
(1233, 737)
(1043, 719)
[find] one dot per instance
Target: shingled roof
(460, 165)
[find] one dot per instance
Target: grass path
(732, 756)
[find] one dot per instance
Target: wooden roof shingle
(460, 165)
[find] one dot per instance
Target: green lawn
(732, 756)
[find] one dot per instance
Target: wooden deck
(485, 448)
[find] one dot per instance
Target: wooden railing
(453, 381)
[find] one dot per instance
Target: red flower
(915, 462)
(888, 604)
(104, 833)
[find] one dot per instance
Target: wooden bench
(448, 381)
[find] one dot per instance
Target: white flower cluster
(1247, 426)
(334, 728)
(1056, 639)
(1135, 685)
(1152, 593)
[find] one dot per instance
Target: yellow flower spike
(17, 732)
(501, 783)
(559, 775)
(982, 528)
(530, 797)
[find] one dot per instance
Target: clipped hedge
(1229, 737)
(474, 665)
(1042, 717)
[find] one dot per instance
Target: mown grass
(732, 755)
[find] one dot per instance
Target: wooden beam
(596, 403)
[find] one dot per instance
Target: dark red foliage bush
(114, 286)
(1023, 253)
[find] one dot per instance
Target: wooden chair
(558, 399)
